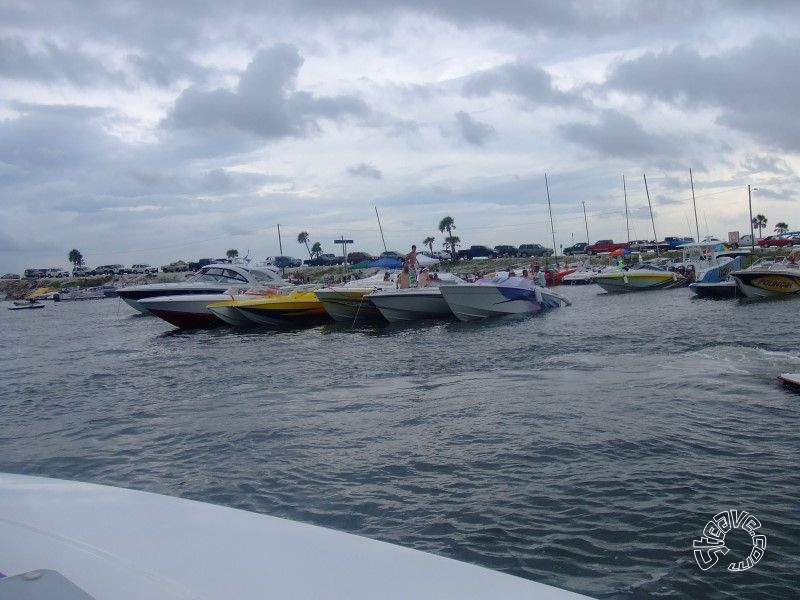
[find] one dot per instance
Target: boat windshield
(219, 275)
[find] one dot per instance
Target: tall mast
(381, 229)
(627, 223)
(280, 245)
(586, 222)
(650, 206)
(550, 209)
(696, 225)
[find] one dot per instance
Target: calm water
(585, 448)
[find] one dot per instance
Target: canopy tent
(426, 261)
(387, 263)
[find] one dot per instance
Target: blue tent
(387, 263)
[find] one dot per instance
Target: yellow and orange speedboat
(299, 307)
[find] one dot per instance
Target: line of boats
(242, 296)
(709, 270)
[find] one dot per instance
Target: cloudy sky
(153, 131)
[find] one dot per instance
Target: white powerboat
(769, 280)
(192, 311)
(79, 293)
(497, 296)
(210, 279)
(68, 540)
(412, 304)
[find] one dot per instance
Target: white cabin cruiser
(210, 279)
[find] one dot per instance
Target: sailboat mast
(627, 222)
(586, 222)
(280, 245)
(550, 209)
(650, 206)
(381, 229)
(696, 225)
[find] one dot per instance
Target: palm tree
(781, 228)
(316, 249)
(759, 221)
(452, 241)
(231, 254)
(302, 238)
(428, 241)
(447, 224)
(75, 257)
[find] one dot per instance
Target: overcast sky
(156, 131)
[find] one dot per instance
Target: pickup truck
(323, 260)
(606, 246)
(474, 252)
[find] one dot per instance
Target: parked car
(143, 269)
(641, 245)
(474, 252)
(56, 273)
(323, 260)
(284, 262)
(34, 273)
(534, 250)
(778, 241)
(178, 266)
(357, 257)
(10, 276)
(579, 248)
(81, 272)
(109, 270)
(605, 246)
(506, 250)
(393, 254)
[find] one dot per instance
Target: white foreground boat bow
(129, 545)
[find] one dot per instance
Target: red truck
(606, 246)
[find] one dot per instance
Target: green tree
(302, 238)
(428, 241)
(781, 228)
(759, 221)
(75, 257)
(448, 224)
(231, 254)
(450, 243)
(316, 249)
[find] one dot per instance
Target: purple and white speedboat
(499, 295)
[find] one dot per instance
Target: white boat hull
(129, 545)
(474, 301)
(411, 304)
